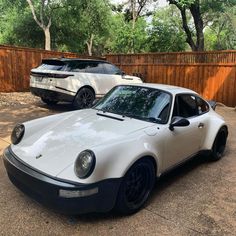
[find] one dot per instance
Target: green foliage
(17, 27)
(221, 34)
(124, 38)
(74, 22)
(165, 33)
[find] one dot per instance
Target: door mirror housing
(178, 121)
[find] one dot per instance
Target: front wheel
(136, 187)
(84, 98)
(219, 144)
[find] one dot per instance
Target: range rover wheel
(49, 102)
(136, 187)
(219, 145)
(84, 98)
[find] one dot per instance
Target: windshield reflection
(141, 103)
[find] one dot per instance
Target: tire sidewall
(77, 103)
(215, 155)
(122, 205)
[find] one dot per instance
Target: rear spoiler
(212, 104)
(53, 61)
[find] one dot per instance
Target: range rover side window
(95, 67)
(185, 106)
(111, 69)
(79, 67)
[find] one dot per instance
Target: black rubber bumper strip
(45, 189)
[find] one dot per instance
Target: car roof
(170, 88)
(76, 59)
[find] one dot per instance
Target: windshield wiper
(149, 119)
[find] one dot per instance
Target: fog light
(77, 193)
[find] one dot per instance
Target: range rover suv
(78, 81)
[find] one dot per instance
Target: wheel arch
(89, 87)
(212, 134)
(218, 131)
(143, 157)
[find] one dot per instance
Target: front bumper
(45, 189)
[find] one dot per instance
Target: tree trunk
(47, 38)
(41, 23)
(188, 33)
(90, 45)
(198, 22)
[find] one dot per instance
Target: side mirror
(178, 121)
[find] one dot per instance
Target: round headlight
(84, 164)
(17, 133)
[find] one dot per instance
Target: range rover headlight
(17, 133)
(84, 164)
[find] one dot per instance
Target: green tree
(16, 25)
(165, 32)
(133, 10)
(221, 33)
(124, 38)
(203, 13)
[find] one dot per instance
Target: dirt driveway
(196, 199)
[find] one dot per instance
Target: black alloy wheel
(219, 145)
(136, 187)
(84, 98)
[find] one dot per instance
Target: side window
(95, 67)
(79, 67)
(185, 106)
(111, 69)
(202, 106)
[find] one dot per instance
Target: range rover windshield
(142, 103)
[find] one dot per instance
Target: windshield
(137, 102)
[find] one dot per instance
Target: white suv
(79, 81)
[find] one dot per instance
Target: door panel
(183, 142)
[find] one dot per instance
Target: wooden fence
(212, 74)
(16, 63)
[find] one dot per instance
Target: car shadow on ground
(60, 107)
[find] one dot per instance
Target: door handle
(201, 125)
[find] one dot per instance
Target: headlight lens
(17, 133)
(84, 164)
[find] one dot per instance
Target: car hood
(54, 145)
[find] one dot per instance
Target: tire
(84, 98)
(136, 187)
(219, 144)
(49, 102)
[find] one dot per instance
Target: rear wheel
(219, 145)
(84, 98)
(136, 187)
(49, 102)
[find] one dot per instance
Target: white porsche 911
(109, 156)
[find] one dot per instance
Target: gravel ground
(198, 198)
(18, 98)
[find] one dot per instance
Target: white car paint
(100, 83)
(116, 144)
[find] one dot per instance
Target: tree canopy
(96, 27)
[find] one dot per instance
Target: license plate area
(39, 79)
